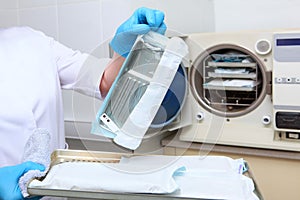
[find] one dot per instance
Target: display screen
(288, 42)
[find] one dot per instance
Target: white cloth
(207, 177)
(113, 177)
(33, 69)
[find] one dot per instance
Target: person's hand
(141, 22)
(9, 179)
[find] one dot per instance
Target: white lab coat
(33, 69)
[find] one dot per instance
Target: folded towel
(37, 149)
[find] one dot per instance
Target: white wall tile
(61, 2)
(232, 15)
(183, 16)
(114, 13)
(154, 4)
(188, 16)
(80, 25)
(42, 18)
(8, 18)
(36, 3)
(8, 4)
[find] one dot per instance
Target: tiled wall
(87, 24)
(232, 15)
(74, 23)
(83, 24)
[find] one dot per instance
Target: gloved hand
(142, 21)
(9, 179)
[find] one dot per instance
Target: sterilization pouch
(136, 95)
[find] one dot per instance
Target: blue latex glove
(9, 179)
(142, 21)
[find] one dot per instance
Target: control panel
(286, 85)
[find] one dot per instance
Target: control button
(266, 120)
(290, 135)
(200, 116)
(263, 46)
(288, 80)
(297, 80)
(279, 80)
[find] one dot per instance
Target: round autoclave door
(228, 80)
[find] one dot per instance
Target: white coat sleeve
(79, 71)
